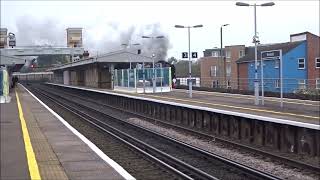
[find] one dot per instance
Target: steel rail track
(177, 166)
(246, 169)
(286, 160)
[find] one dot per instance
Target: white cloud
(107, 19)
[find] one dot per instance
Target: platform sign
(12, 39)
(272, 55)
(194, 55)
(184, 55)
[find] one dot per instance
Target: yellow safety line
(239, 97)
(244, 108)
(31, 158)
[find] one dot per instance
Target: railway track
(187, 162)
(202, 135)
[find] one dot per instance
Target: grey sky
(102, 21)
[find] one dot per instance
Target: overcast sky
(105, 21)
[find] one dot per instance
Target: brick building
(221, 71)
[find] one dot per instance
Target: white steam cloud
(101, 38)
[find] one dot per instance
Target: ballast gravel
(277, 169)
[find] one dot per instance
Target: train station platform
(36, 143)
(295, 112)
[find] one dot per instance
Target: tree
(182, 69)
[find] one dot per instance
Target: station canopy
(122, 56)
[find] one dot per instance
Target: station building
(96, 71)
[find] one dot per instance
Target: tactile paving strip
(49, 165)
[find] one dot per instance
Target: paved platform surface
(294, 110)
(59, 153)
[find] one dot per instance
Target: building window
(241, 53)
(215, 54)
(215, 84)
(302, 84)
(318, 83)
(229, 84)
(228, 54)
(213, 71)
(228, 70)
(317, 62)
(276, 63)
(301, 63)
(277, 83)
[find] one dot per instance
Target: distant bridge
(41, 50)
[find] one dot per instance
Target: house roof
(286, 47)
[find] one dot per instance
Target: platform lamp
(188, 27)
(153, 57)
(130, 46)
(255, 40)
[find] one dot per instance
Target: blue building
(294, 59)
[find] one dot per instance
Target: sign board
(184, 55)
(12, 43)
(275, 54)
(194, 55)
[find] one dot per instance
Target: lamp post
(255, 40)
(196, 26)
(222, 59)
(153, 56)
(130, 46)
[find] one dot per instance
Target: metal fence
(270, 85)
(142, 80)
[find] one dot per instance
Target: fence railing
(143, 80)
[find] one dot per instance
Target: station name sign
(270, 54)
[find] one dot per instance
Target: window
(229, 84)
(213, 71)
(318, 83)
(276, 63)
(317, 62)
(301, 63)
(277, 83)
(228, 54)
(228, 70)
(302, 84)
(215, 84)
(241, 53)
(215, 53)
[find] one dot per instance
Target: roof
(306, 32)
(111, 57)
(11, 60)
(286, 47)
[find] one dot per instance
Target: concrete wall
(58, 77)
(104, 78)
(91, 76)
(66, 77)
(73, 78)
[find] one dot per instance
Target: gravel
(272, 167)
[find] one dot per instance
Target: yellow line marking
(248, 97)
(31, 158)
(243, 108)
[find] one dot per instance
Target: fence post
(128, 73)
(122, 78)
(135, 79)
